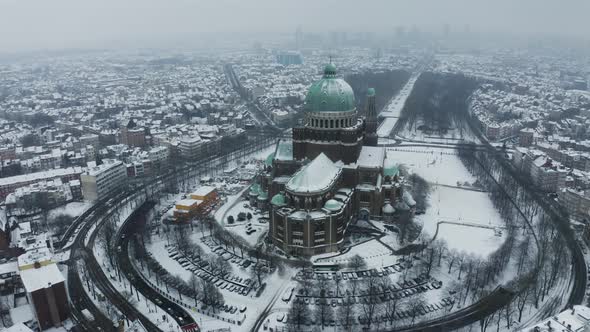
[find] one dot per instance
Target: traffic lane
(173, 309)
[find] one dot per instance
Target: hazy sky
(56, 24)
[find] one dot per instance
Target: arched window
(331, 123)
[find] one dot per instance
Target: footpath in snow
(392, 112)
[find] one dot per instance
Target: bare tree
(259, 270)
(5, 312)
(337, 280)
(370, 301)
(195, 285)
(346, 312)
(323, 311)
(508, 312)
(484, 323)
(222, 266)
(108, 235)
(429, 261)
(357, 263)
(415, 304)
(298, 313)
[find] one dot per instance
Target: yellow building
(187, 208)
(205, 193)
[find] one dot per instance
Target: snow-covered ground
(435, 165)
(259, 222)
(393, 110)
(72, 209)
(466, 220)
(274, 285)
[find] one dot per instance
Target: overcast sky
(57, 24)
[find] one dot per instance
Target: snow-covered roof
(203, 191)
(317, 176)
(20, 327)
(371, 157)
(575, 319)
(188, 202)
(8, 267)
(40, 175)
(42, 277)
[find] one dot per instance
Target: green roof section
(371, 92)
(330, 94)
(279, 200)
(391, 171)
(332, 205)
(255, 189)
(269, 158)
(329, 70)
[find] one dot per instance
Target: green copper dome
(279, 200)
(330, 94)
(370, 92)
(255, 190)
(332, 205)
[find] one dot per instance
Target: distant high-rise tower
(371, 119)
(298, 38)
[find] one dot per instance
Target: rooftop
(371, 157)
(203, 191)
(317, 176)
(576, 319)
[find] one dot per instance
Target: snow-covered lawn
(453, 204)
(239, 227)
(72, 209)
(435, 165)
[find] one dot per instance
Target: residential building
(44, 284)
(575, 319)
(10, 184)
(100, 181)
(577, 203)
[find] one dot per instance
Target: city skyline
(63, 24)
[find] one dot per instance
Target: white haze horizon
(28, 25)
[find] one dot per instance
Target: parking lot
(204, 270)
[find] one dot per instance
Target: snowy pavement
(393, 110)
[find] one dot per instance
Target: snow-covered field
(480, 221)
(435, 165)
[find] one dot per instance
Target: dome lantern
(330, 94)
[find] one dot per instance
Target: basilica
(329, 175)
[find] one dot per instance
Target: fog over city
(294, 165)
(55, 24)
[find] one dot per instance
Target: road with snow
(393, 110)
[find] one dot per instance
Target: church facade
(329, 175)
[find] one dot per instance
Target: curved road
(80, 228)
(127, 230)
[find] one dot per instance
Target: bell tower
(371, 119)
